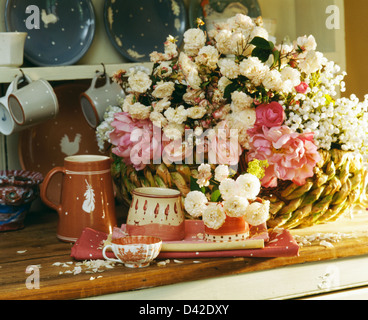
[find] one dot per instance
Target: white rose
(236, 206)
(196, 112)
(195, 203)
(164, 89)
(194, 40)
(139, 82)
(139, 111)
(257, 213)
(176, 115)
(161, 105)
(249, 185)
(228, 188)
(272, 80)
(158, 119)
(253, 69)
(240, 101)
(221, 172)
(224, 42)
(214, 216)
(208, 56)
(173, 131)
(312, 62)
(229, 68)
(306, 43)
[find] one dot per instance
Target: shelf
(74, 72)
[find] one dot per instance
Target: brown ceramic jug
(87, 197)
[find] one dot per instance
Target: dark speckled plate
(60, 34)
(138, 27)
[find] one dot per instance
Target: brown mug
(87, 196)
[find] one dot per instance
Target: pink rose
(270, 115)
(302, 88)
(136, 141)
(174, 151)
(223, 146)
(290, 155)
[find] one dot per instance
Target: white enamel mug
(96, 100)
(34, 103)
(7, 124)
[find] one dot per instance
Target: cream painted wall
(356, 17)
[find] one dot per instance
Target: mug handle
(105, 256)
(44, 185)
(16, 81)
(98, 75)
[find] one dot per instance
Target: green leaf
(215, 196)
(261, 54)
(262, 43)
(276, 58)
(194, 185)
(230, 89)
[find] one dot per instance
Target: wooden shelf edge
(59, 73)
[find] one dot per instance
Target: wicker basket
(339, 183)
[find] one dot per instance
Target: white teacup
(33, 103)
(95, 101)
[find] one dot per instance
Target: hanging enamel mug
(87, 197)
(96, 99)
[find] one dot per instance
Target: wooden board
(37, 245)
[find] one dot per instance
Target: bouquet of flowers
(230, 97)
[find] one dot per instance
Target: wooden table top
(61, 277)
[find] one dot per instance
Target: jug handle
(45, 184)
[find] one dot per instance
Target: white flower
(240, 101)
(161, 105)
(312, 62)
(253, 69)
(240, 21)
(221, 172)
(290, 78)
(236, 206)
(163, 70)
(214, 216)
(158, 119)
(306, 43)
(208, 56)
(229, 68)
(128, 101)
(190, 71)
(224, 42)
(191, 96)
(204, 175)
(194, 40)
(164, 89)
(249, 186)
(242, 121)
(105, 128)
(223, 83)
(257, 213)
(139, 82)
(272, 80)
(139, 111)
(259, 32)
(173, 131)
(171, 47)
(228, 188)
(196, 112)
(177, 115)
(195, 203)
